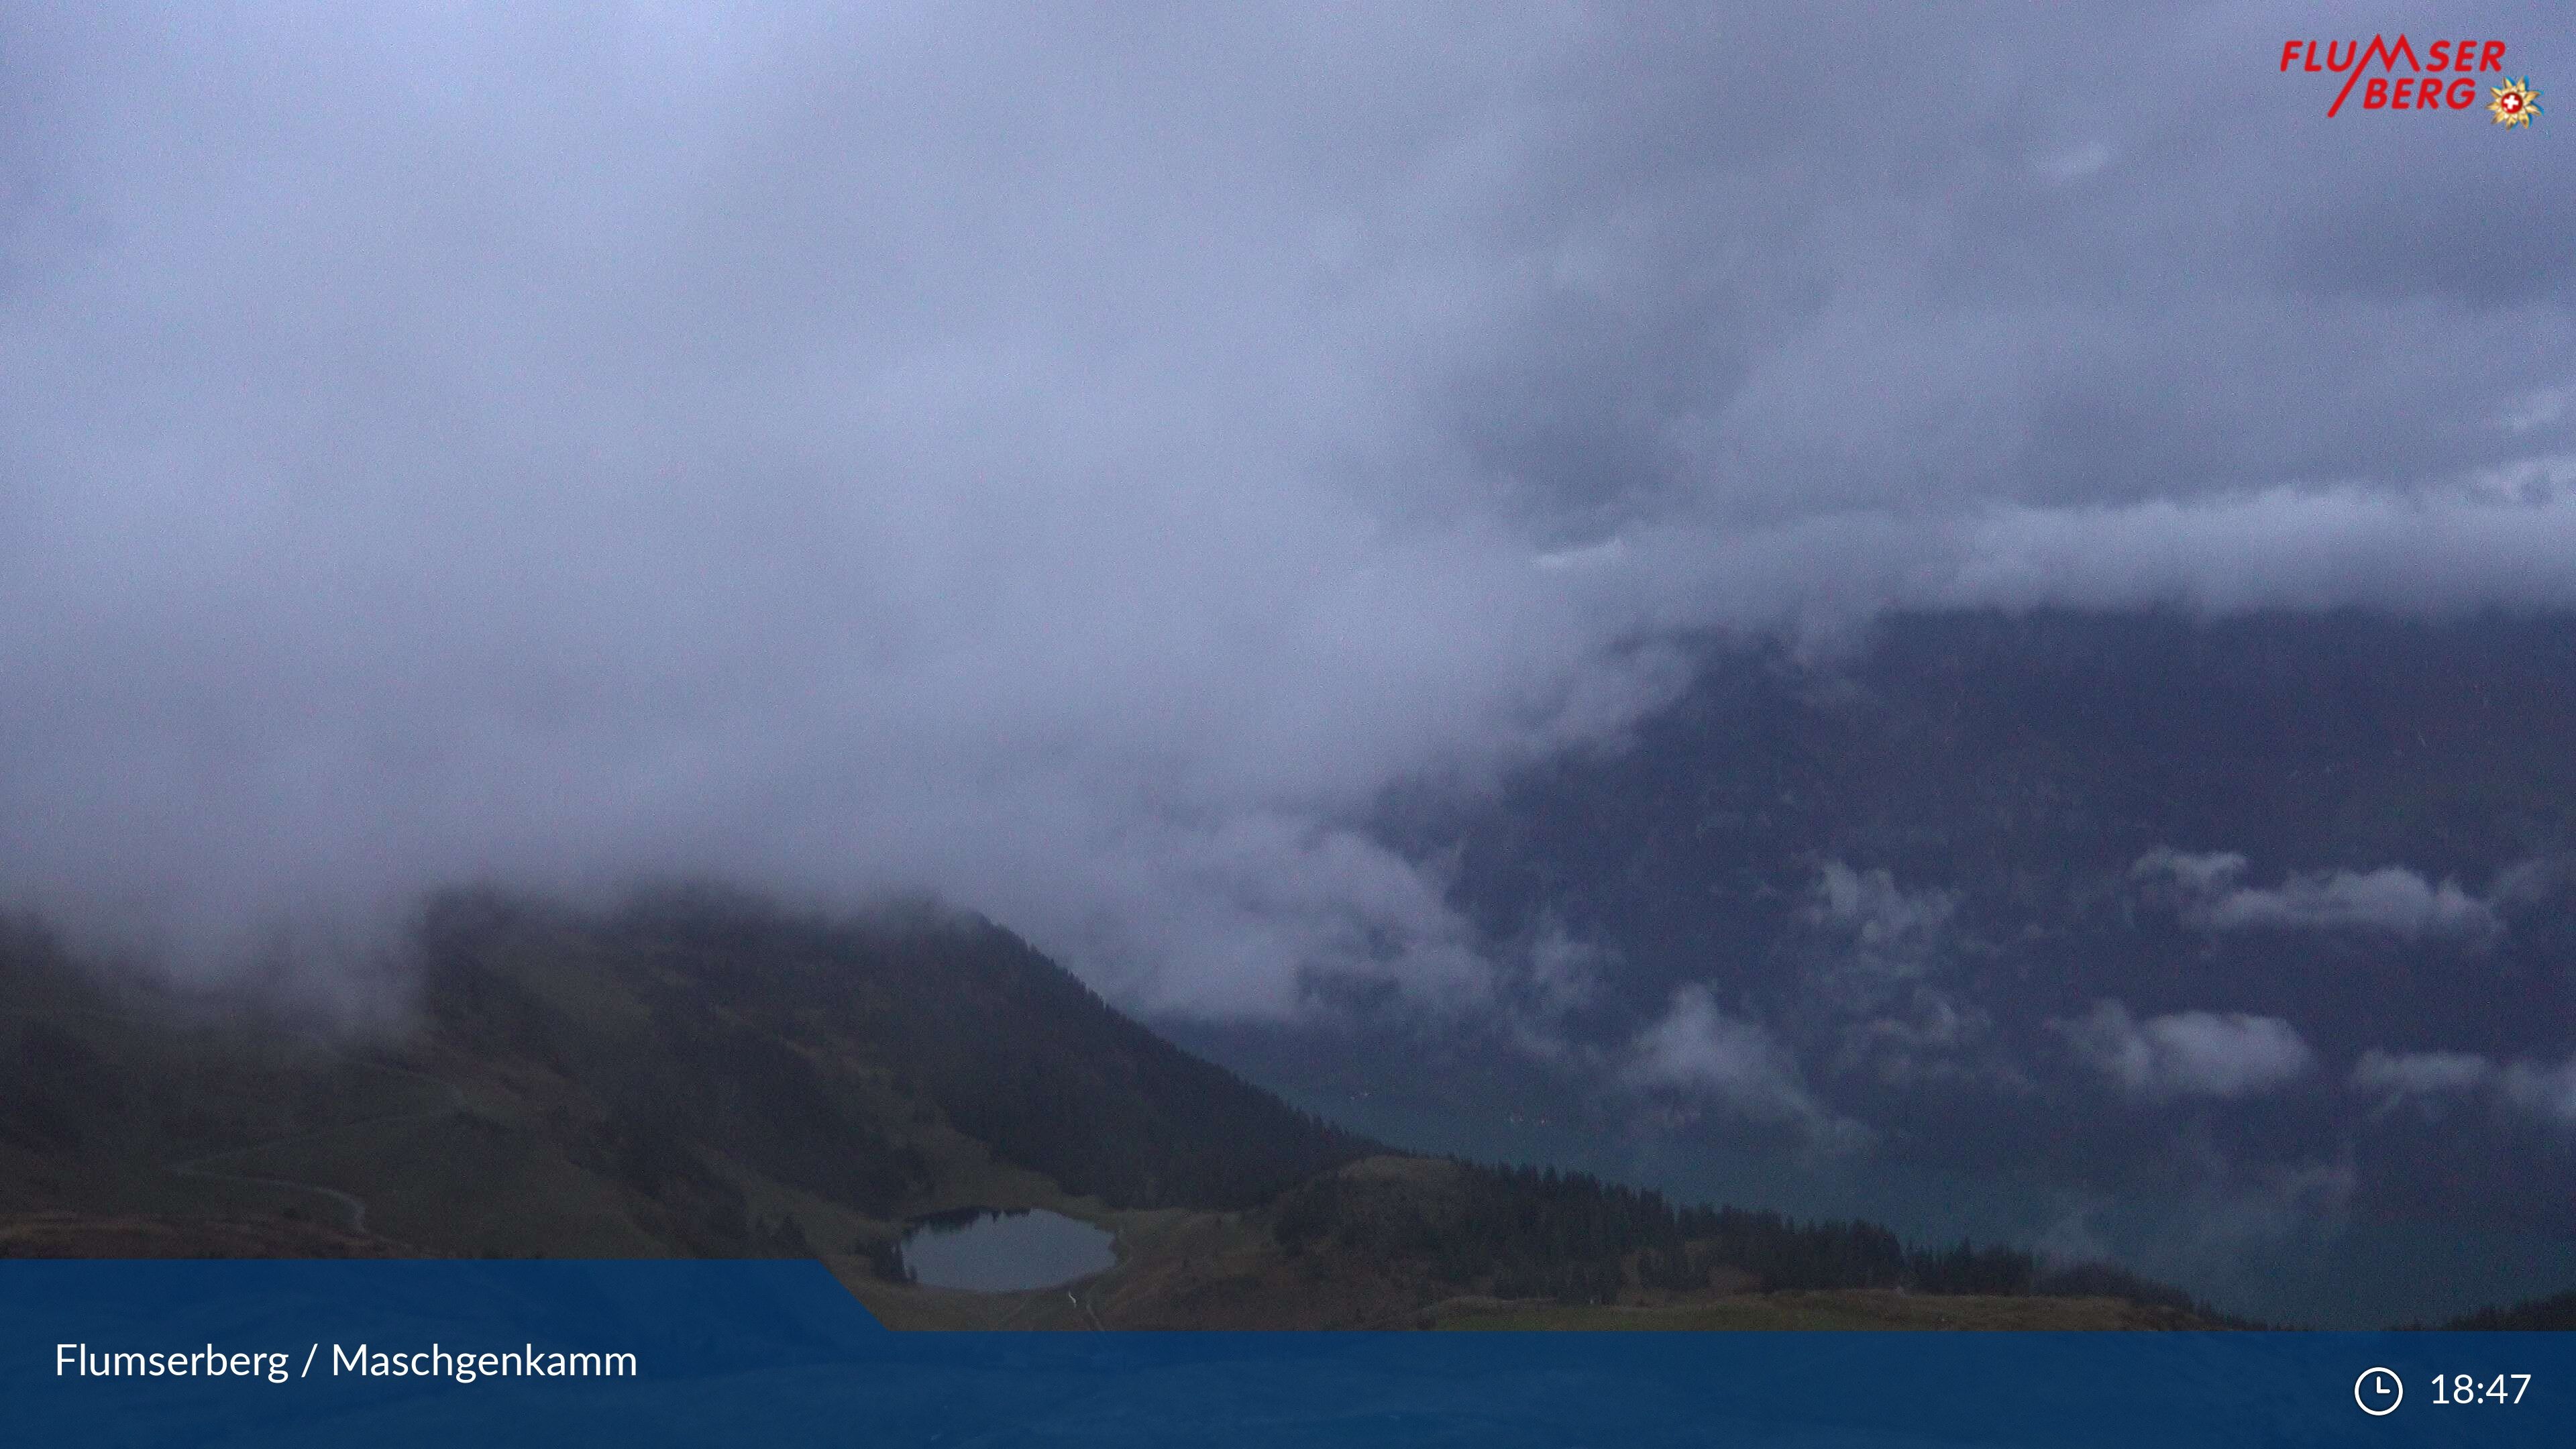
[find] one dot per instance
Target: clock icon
(2378, 1392)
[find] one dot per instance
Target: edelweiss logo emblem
(2515, 103)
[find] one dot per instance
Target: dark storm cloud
(1074, 458)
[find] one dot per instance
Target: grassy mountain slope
(697, 1073)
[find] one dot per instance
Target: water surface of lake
(992, 1251)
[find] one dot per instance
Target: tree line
(1527, 1232)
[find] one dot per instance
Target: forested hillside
(1532, 1233)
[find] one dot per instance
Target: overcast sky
(1071, 458)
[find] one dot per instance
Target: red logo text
(2435, 79)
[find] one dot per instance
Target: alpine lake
(992, 1250)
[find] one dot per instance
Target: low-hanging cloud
(2188, 1053)
(2400, 1075)
(2547, 1091)
(1076, 464)
(2428, 1080)
(1890, 932)
(1697, 1049)
(1878, 955)
(2390, 899)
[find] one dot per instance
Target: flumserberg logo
(2394, 75)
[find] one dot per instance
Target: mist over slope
(2261, 921)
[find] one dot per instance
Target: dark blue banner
(647, 1353)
